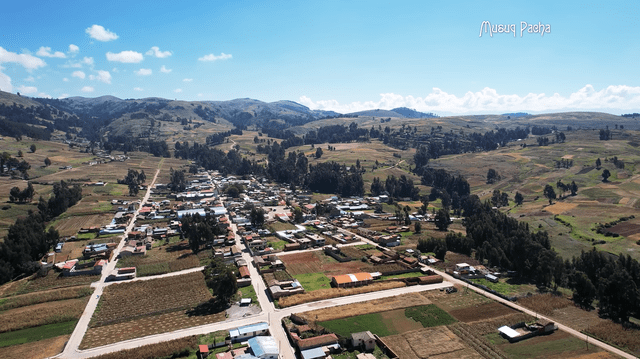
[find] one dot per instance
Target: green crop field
(429, 315)
(371, 322)
(37, 333)
(313, 281)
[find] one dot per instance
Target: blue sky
(335, 55)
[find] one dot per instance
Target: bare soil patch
(560, 207)
(482, 312)
(463, 298)
(442, 343)
(373, 306)
(625, 229)
(316, 262)
(322, 294)
(546, 303)
(45, 348)
(71, 225)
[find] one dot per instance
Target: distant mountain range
(109, 115)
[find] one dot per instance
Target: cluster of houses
(258, 344)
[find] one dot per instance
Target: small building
(248, 331)
(264, 347)
(313, 353)
(203, 351)
(364, 340)
(351, 280)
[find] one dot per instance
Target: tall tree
(220, 277)
(605, 175)
(442, 219)
(549, 193)
(518, 198)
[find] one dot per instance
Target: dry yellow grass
(443, 343)
(322, 294)
(41, 314)
(41, 349)
(624, 200)
(373, 306)
(560, 207)
(45, 296)
(546, 303)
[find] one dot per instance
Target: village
(294, 259)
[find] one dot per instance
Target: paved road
(71, 349)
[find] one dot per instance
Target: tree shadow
(212, 306)
(178, 247)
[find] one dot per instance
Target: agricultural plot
(438, 342)
(368, 307)
(70, 225)
(391, 322)
(114, 306)
(317, 262)
(127, 310)
(556, 345)
(46, 348)
(53, 280)
(313, 281)
(165, 258)
(481, 312)
(42, 314)
(563, 310)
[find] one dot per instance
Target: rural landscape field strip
(126, 301)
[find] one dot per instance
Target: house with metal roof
(351, 280)
(264, 347)
(248, 331)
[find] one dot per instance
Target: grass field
(390, 322)
(37, 333)
(248, 292)
(371, 322)
(429, 315)
(506, 288)
(313, 281)
(557, 345)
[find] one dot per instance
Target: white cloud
(144, 72)
(87, 89)
(27, 89)
(612, 98)
(177, 90)
(73, 49)
(130, 57)
(5, 82)
(100, 33)
(103, 76)
(165, 70)
(78, 74)
(30, 79)
(27, 61)
(46, 52)
(44, 95)
(155, 51)
(64, 95)
(187, 80)
(65, 79)
(137, 89)
(87, 61)
(212, 57)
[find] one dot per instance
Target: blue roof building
(249, 331)
(264, 347)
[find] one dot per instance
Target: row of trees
(395, 187)
(25, 195)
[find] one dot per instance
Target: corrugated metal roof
(263, 345)
(313, 353)
(508, 331)
(258, 327)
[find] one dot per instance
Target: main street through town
(269, 313)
